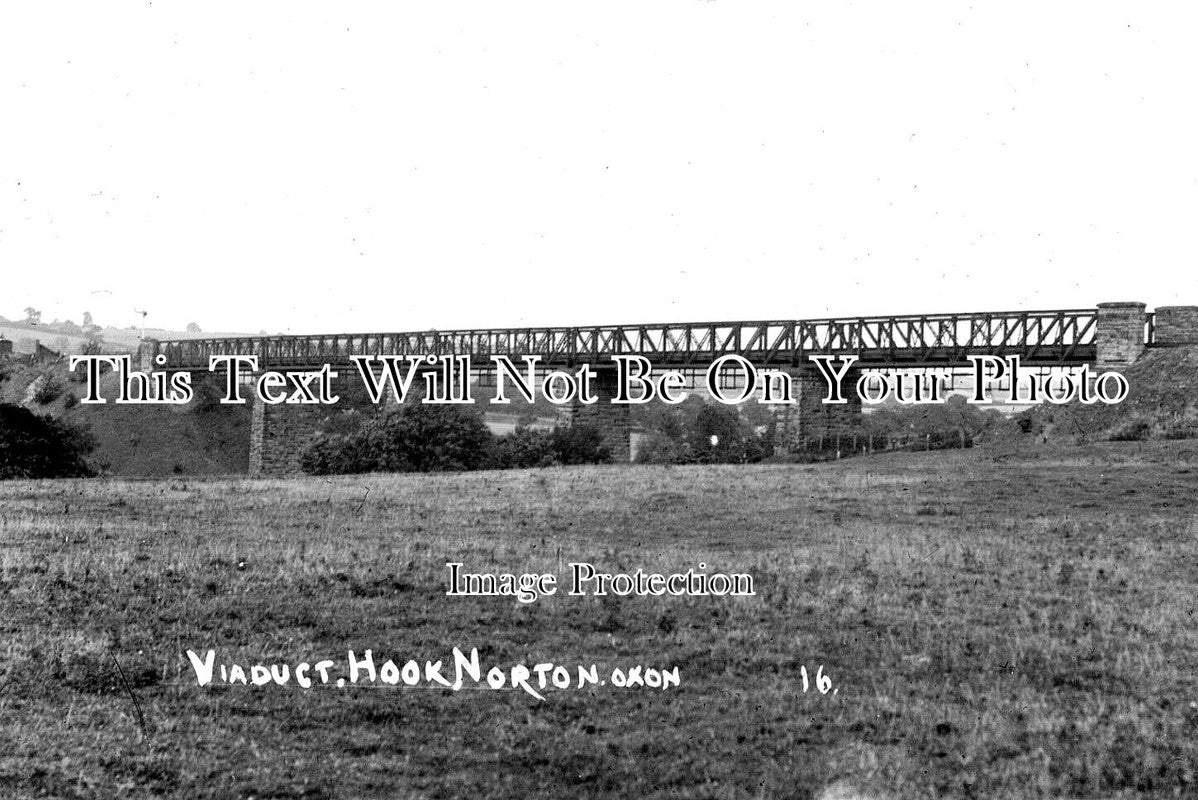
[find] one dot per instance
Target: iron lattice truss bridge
(1045, 338)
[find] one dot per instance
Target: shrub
(1133, 431)
(49, 391)
(335, 454)
(415, 438)
(1180, 431)
(431, 438)
(206, 394)
(719, 435)
(580, 443)
(35, 446)
(657, 448)
(523, 448)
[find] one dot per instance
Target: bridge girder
(1063, 338)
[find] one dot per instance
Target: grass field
(1019, 627)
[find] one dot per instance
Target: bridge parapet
(1175, 325)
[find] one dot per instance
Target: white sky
(378, 166)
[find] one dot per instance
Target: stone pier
(1119, 334)
(615, 421)
(811, 424)
(144, 358)
(278, 436)
(821, 422)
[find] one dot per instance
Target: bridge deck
(1038, 337)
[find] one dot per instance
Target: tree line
(422, 437)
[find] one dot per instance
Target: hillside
(23, 338)
(1162, 403)
(115, 340)
(139, 441)
(158, 440)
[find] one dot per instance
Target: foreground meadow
(1020, 627)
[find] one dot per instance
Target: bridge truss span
(1062, 337)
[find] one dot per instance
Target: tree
(580, 443)
(193, 327)
(431, 438)
(34, 446)
(697, 431)
(718, 435)
(953, 423)
(89, 328)
(32, 316)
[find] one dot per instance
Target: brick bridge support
(828, 423)
(1119, 334)
(812, 424)
(615, 421)
(279, 434)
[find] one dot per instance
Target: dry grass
(1016, 628)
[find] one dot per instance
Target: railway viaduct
(1111, 335)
